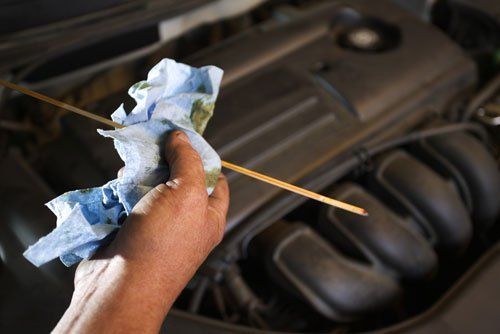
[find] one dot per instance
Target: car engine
(390, 105)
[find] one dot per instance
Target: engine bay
(393, 106)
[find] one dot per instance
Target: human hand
(177, 219)
(131, 284)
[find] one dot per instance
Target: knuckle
(160, 193)
(161, 188)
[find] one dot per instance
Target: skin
(131, 285)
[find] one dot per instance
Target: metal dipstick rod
(228, 165)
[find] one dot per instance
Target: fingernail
(182, 136)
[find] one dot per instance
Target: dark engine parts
(420, 215)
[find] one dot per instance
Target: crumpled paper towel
(174, 96)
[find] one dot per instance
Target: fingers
(185, 164)
(218, 204)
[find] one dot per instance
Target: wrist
(115, 293)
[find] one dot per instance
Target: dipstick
(228, 165)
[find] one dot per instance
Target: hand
(176, 218)
(131, 285)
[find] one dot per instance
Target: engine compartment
(363, 102)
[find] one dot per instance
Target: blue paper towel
(174, 96)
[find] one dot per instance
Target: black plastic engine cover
(300, 260)
(383, 237)
(428, 197)
(293, 97)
